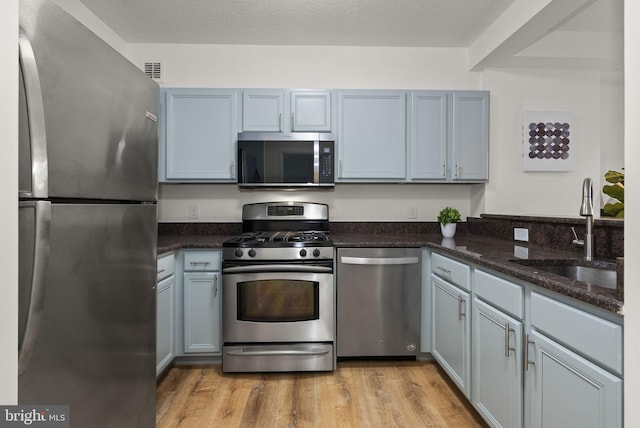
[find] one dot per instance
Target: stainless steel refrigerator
(88, 224)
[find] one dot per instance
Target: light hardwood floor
(358, 394)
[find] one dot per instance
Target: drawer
(499, 292)
(201, 261)
(594, 337)
(451, 270)
(166, 266)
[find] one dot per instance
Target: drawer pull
(445, 271)
(200, 263)
(161, 270)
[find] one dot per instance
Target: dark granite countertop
(495, 254)
(174, 242)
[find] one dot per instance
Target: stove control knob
(239, 253)
(252, 253)
(316, 252)
(303, 253)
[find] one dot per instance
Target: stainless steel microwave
(297, 159)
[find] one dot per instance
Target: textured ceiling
(444, 23)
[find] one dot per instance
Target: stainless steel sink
(602, 274)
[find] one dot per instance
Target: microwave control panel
(326, 162)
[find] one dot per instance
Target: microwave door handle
(35, 113)
(41, 246)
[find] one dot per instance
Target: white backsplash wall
(347, 202)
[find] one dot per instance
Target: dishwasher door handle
(379, 260)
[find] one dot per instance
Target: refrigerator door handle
(41, 241)
(35, 112)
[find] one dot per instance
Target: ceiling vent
(154, 69)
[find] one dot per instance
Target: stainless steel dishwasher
(378, 302)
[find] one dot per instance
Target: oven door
(275, 304)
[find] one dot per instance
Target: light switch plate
(520, 234)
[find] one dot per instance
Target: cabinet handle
(199, 263)
(507, 331)
(215, 286)
(280, 123)
(457, 173)
(445, 271)
(161, 270)
(444, 170)
(340, 165)
(292, 122)
(461, 302)
(527, 342)
(232, 170)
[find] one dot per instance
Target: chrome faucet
(586, 210)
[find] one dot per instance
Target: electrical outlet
(194, 212)
(413, 212)
(520, 234)
(520, 252)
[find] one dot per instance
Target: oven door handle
(278, 352)
(278, 268)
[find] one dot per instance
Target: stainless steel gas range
(278, 290)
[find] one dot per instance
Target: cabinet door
(201, 131)
(565, 390)
(165, 310)
(371, 135)
(263, 110)
(429, 135)
(202, 312)
(311, 111)
(451, 342)
(470, 136)
(497, 388)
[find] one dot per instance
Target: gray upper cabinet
(310, 111)
(469, 138)
(428, 135)
(263, 110)
(371, 135)
(449, 138)
(198, 134)
(283, 110)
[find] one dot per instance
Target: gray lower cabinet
(165, 312)
(577, 355)
(202, 286)
(451, 331)
(566, 390)
(537, 360)
(496, 365)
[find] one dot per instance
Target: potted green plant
(615, 190)
(448, 218)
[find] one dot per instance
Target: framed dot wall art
(548, 142)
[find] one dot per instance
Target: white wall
(229, 66)
(8, 195)
(348, 202)
(510, 189)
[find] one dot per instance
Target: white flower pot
(449, 230)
